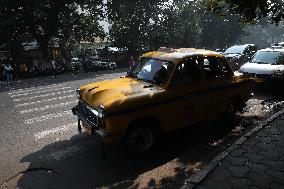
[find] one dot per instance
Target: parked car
(266, 65)
(237, 55)
(278, 45)
(102, 63)
(164, 91)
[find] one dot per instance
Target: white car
(266, 64)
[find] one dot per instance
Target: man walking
(53, 64)
(8, 71)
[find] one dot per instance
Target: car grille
(83, 109)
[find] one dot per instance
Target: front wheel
(140, 139)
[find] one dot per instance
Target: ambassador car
(166, 90)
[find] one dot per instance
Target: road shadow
(78, 162)
(49, 80)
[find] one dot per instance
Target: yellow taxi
(165, 90)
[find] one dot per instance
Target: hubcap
(140, 139)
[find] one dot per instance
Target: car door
(186, 85)
(218, 77)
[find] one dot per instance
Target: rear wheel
(232, 109)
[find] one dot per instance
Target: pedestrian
(85, 65)
(53, 64)
(8, 72)
(131, 62)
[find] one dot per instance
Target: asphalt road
(40, 146)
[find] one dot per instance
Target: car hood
(265, 69)
(118, 93)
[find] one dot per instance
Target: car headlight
(78, 93)
(101, 111)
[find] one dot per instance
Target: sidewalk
(257, 163)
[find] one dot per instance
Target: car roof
(244, 45)
(272, 50)
(176, 55)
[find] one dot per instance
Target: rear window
(268, 57)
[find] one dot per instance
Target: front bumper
(94, 128)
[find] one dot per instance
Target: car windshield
(152, 70)
(268, 57)
(238, 49)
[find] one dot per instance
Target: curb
(203, 172)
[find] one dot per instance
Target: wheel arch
(145, 119)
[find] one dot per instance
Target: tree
(132, 22)
(177, 25)
(44, 19)
(220, 32)
(186, 23)
(251, 10)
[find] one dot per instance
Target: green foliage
(220, 31)
(132, 22)
(251, 10)
(181, 23)
(70, 20)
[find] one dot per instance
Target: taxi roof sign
(165, 49)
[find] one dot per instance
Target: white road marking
(44, 95)
(45, 100)
(66, 152)
(42, 91)
(33, 89)
(48, 107)
(52, 131)
(47, 117)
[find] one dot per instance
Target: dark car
(237, 55)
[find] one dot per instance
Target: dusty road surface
(40, 146)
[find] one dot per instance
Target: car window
(268, 57)
(187, 72)
(152, 70)
(216, 68)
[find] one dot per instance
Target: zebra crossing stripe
(44, 100)
(33, 89)
(43, 134)
(38, 92)
(47, 117)
(48, 107)
(43, 95)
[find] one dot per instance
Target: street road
(40, 146)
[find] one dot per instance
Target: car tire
(231, 110)
(140, 139)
